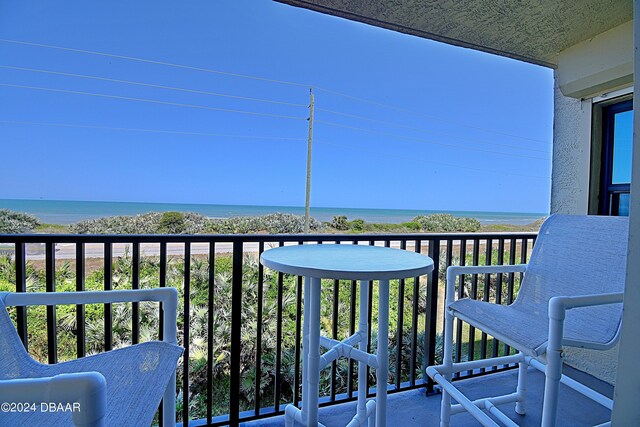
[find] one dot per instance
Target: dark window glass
(622, 140)
(616, 158)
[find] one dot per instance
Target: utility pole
(309, 146)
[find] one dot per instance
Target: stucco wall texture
(569, 195)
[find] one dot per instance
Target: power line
(407, 111)
(426, 141)
(151, 61)
(59, 73)
(265, 79)
(386, 123)
(498, 172)
(153, 101)
(162, 131)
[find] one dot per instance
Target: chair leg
(447, 361)
(522, 386)
(553, 371)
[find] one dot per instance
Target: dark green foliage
(172, 223)
(357, 224)
(339, 222)
(12, 222)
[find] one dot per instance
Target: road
(96, 250)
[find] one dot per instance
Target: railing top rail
(196, 238)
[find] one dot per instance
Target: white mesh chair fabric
(572, 256)
(136, 378)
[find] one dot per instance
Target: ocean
(69, 212)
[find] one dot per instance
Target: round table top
(347, 262)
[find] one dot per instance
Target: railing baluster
(108, 285)
(352, 330)
(486, 290)
(474, 294)
(278, 368)
(21, 286)
(369, 325)
(414, 322)
(334, 335)
(52, 334)
(210, 332)
(496, 343)
(186, 333)
(432, 312)
(135, 284)
(162, 282)
(511, 282)
(236, 326)
(459, 324)
(400, 324)
(80, 312)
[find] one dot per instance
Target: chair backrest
(15, 362)
(578, 255)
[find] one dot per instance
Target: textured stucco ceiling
(530, 30)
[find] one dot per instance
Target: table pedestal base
(373, 411)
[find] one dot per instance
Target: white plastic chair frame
(89, 388)
(549, 363)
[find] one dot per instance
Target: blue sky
(424, 125)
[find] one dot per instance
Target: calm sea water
(68, 212)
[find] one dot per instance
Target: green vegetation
(193, 223)
(446, 223)
(277, 223)
(12, 222)
(437, 223)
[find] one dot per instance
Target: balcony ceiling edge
(535, 31)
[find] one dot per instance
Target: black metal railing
(240, 323)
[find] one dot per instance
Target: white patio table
(345, 262)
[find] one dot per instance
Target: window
(615, 162)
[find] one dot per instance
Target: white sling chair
(121, 387)
(570, 296)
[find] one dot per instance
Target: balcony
(240, 323)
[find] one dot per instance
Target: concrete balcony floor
(414, 409)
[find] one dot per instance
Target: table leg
(363, 329)
(383, 353)
(305, 345)
(313, 358)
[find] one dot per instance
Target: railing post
(432, 312)
(236, 325)
(21, 286)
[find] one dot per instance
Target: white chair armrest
(167, 296)
(85, 394)
(559, 305)
(456, 270)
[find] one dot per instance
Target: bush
(340, 222)
(446, 223)
(277, 223)
(357, 224)
(12, 222)
(172, 223)
(149, 223)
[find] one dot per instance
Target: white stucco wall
(571, 154)
(594, 67)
